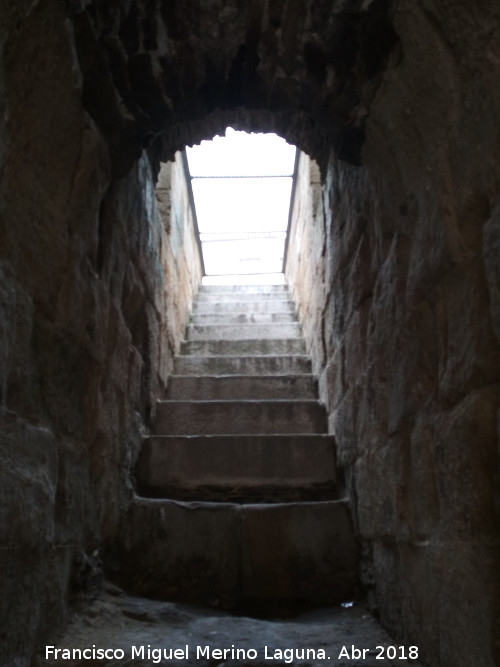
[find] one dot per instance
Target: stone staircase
(236, 489)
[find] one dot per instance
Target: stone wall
(396, 273)
(171, 74)
(182, 261)
(305, 257)
(88, 270)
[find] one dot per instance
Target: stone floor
(136, 631)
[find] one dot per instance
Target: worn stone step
(241, 297)
(270, 365)
(239, 417)
(244, 347)
(271, 306)
(242, 317)
(243, 468)
(244, 289)
(243, 331)
(227, 387)
(231, 554)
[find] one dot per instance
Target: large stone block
(233, 387)
(244, 347)
(268, 364)
(238, 468)
(224, 331)
(225, 555)
(299, 553)
(239, 417)
(187, 551)
(244, 318)
(274, 290)
(234, 307)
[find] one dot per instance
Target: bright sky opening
(242, 215)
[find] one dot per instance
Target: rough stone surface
(232, 556)
(260, 522)
(255, 306)
(243, 416)
(84, 346)
(116, 620)
(167, 74)
(268, 364)
(248, 346)
(250, 468)
(242, 331)
(227, 387)
(395, 270)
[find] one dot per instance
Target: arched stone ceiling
(168, 73)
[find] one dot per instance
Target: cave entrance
(242, 186)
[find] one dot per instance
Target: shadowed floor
(116, 621)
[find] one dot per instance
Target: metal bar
(243, 176)
(250, 273)
(290, 210)
(231, 240)
(244, 233)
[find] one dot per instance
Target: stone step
(231, 555)
(242, 318)
(243, 468)
(239, 509)
(244, 347)
(227, 387)
(240, 416)
(244, 289)
(243, 331)
(270, 365)
(241, 297)
(271, 306)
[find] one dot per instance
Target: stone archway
(169, 75)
